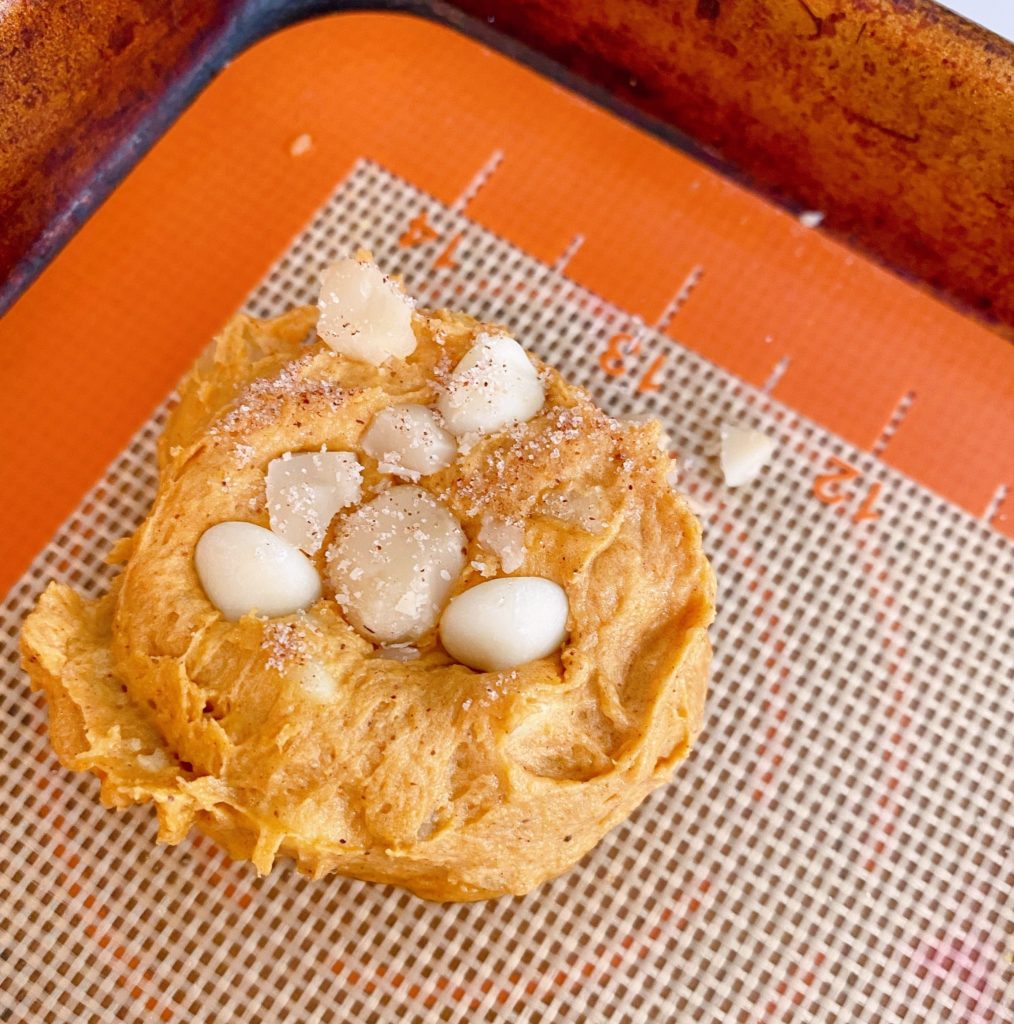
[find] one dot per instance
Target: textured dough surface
(453, 783)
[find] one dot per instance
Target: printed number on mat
(620, 357)
(843, 482)
(420, 231)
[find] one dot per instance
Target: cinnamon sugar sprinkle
(260, 403)
(244, 454)
(536, 443)
(285, 643)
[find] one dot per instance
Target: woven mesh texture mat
(838, 847)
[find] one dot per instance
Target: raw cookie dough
(295, 736)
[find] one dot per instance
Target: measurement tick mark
(689, 284)
(481, 177)
(891, 428)
(776, 375)
(568, 254)
(999, 495)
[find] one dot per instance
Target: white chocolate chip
(364, 314)
(245, 568)
(506, 539)
(306, 490)
(394, 562)
(503, 623)
(314, 681)
(154, 762)
(585, 507)
(493, 386)
(408, 441)
(398, 652)
(744, 453)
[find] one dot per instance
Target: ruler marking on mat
(563, 260)
(480, 178)
(995, 503)
(893, 423)
(777, 372)
(677, 302)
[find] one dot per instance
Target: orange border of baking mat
(109, 327)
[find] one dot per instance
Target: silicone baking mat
(839, 845)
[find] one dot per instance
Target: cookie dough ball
(401, 723)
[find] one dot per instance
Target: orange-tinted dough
(295, 736)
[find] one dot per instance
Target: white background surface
(997, 15)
